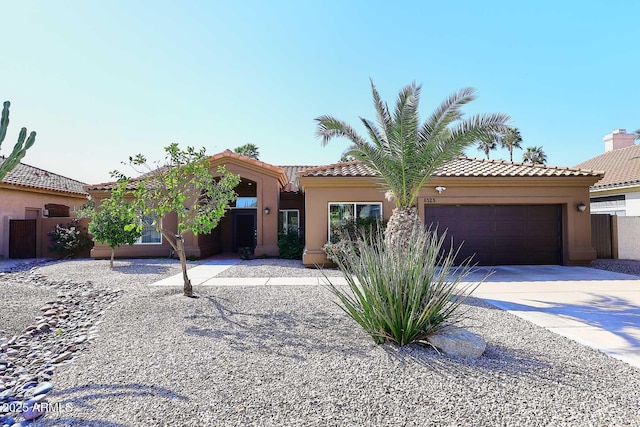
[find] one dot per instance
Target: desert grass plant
(403, 295)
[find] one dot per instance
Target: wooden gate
(602, 235)
(22, 238)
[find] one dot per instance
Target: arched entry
(244, 229)
(244, 216)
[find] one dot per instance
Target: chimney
(619, 138)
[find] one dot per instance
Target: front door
(244, 229)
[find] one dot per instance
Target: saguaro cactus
(21, 147)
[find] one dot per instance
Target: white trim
(287, 218)
(354, 212)
(139, 243)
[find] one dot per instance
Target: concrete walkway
(597, 308)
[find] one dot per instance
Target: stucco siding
(566, 192)
(632, 201)
(14, 202)
(629, 237)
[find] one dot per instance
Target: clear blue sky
(102, 80)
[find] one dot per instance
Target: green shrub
(404, 295)
(291, 245)
(69, 240)
(343, 239)
(245, 253)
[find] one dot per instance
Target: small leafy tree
(186, 186)
(113, 223)
(248, 150)
(21, 147)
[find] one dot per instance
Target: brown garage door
(502, 234)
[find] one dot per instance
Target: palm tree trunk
(400, 226)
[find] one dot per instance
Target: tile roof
(621, 167)
(459, 167)
(291, 172)
(292, 176)
(27, 176)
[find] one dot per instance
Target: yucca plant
(407, 293)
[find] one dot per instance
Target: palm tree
(535, 156)
(248, 150)
(637, 132)
(405, 153)
(487, 144)
(511, 139)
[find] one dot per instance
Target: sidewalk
(597, 308)
(204, 275)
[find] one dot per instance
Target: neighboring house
(618, 193)
(505, 213)
(30, 193)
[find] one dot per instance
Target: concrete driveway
(597, 308)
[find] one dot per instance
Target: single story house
(28, 194)
(618, 192)
(617, 197)
(505, 213)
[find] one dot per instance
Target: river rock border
(28, 361)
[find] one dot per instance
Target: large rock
(458, 342)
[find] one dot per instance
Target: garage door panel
(477, 243)
(511, 242)
(510, 228)
(481, 212)
(546, 228)
(502, 234)
(542, 242)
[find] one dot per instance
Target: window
(150, 236)
(289, 221)
(613, 205)
(246, 202)
(342, 213)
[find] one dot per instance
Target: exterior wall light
(440, 189)
(267, 211)
(581, 207)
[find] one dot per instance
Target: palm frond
(330, 127)
(446, 113)
(382, 111)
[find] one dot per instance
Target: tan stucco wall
(268, 190)
(268, 185)
(565, 191)
(14, 201)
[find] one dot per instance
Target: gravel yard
(289, 356)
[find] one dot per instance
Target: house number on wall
(429, 199)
